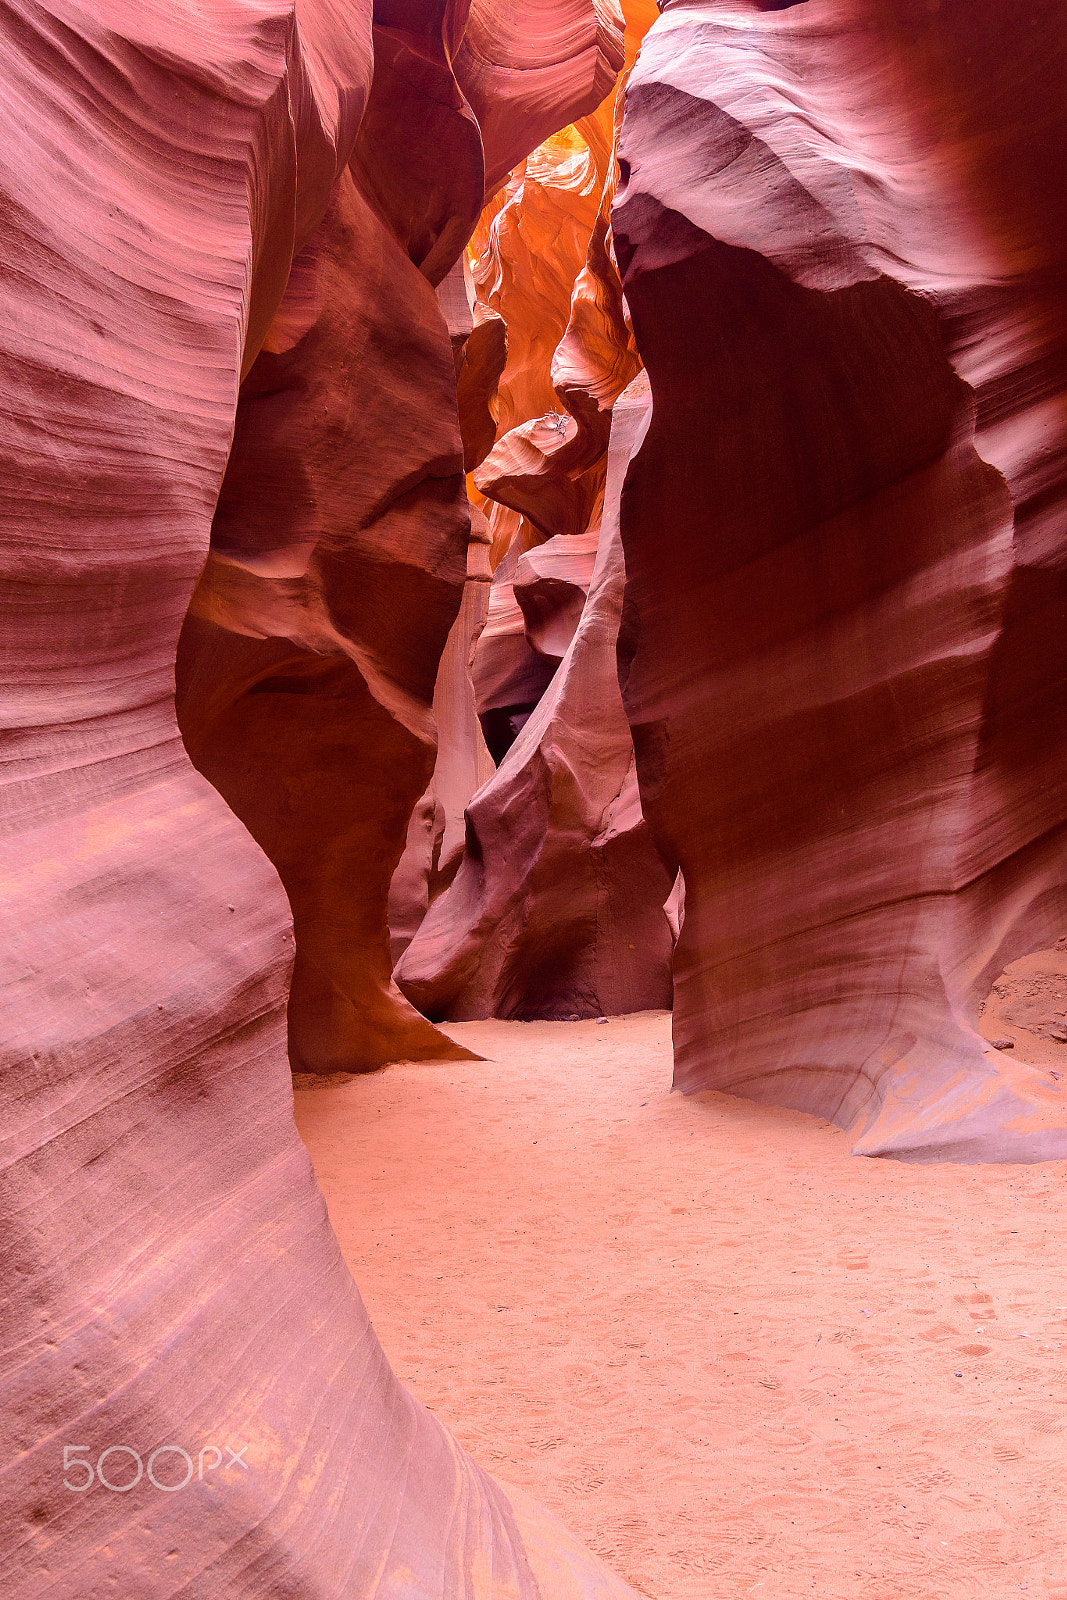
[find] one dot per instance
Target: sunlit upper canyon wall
(509, 510)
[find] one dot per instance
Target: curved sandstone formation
(307, 666)
(173, 1293)
(521, 61)
(550, 585)
(844, 251)
(530, 245)
(436, 832)
(547, 210)
(557, 908)
(545, 267)
(304, 692)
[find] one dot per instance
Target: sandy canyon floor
(736, 1360)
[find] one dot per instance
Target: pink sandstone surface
(307, 665)
(171, 1279)
(827, 564)
(844, 248)
(436, 832)
(557, 907)
(505, 317)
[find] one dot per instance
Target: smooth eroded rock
(843, 249)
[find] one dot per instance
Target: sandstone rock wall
(844, 248)
(307, 667)
(171, 1279)
(557, 908)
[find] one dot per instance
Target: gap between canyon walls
(536, 890)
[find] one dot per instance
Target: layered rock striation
(307, 666)
(195, 1401)
(844, 249)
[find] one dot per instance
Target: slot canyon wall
(724, 507)
(557, 907)
(843, 237)
(193, 196)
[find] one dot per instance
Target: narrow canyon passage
(736, 1360)
(533, 557)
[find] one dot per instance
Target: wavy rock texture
(307, 668)
(544, 477)
(530, 247)
(434, 842)
(533, 240)
(520, 61)
(304, 690)
(546, 267)
(557, 908)
(550, 586)
(170, 1275)
(844, 251)
(436, 832)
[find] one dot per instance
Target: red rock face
(307, 666)
(844, 252)
(172, 1280)
(521, 60)
(304, 690)
(544, 290)
(436, 832)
